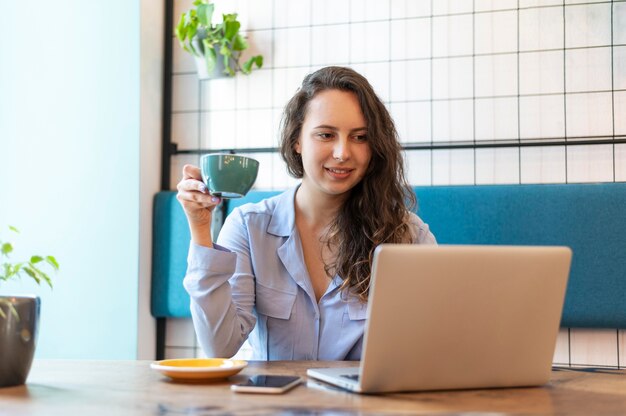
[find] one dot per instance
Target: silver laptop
(458, 317)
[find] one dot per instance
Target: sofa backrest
(589, 218)
(170, 242)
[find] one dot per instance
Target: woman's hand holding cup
(220, 175)
(198, 205)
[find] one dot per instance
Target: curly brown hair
(377, 210)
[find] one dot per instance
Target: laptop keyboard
(354, 377)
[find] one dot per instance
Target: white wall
(152, 58)
(69, 165)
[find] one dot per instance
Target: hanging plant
(215, 45)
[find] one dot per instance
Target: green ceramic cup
(228, 176)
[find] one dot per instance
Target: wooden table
(60, 387)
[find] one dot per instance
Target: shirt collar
(284, 215)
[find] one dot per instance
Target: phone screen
(270, 381)
(267, 384)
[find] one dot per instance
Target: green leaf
(192, 50)
(181, 29)
(6, 271)
(215, 34)
(201, 13)
(52, 262)
(29, 271)
(247, 66)
(42, 276)
(231, 29)
(239, 43)
(47, 279)
(210, 57)
(227, 69)
(35, 259)
(191, 31)
(259, 61)
(15, 230)
(15, 269)
(7, 248)
(208, 14)
(232, 17)
(225, 51)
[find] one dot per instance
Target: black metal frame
(478, 144)
(167, 150)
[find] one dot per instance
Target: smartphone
(267, 384)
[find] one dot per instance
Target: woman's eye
(360, 138)
(324, 135)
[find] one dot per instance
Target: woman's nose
(341, 151)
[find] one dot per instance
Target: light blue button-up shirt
(254, 285)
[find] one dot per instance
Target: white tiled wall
(449, 71)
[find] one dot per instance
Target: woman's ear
(296, 147)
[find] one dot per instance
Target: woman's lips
(339, 173)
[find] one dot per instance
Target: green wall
(69, 166)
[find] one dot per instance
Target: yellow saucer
(195, 369)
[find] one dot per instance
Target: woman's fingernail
(214, 199)
(202, 188)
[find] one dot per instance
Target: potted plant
(216, 47)
(19, 315)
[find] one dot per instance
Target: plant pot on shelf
(18, 335)
(201, 63)
(195, 29)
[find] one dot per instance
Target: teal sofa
(589, 218)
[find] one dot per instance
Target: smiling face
(333, 143)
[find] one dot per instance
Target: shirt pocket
(357, 311)
(354, 315)
(274, 302)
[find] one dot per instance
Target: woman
(292, 273)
